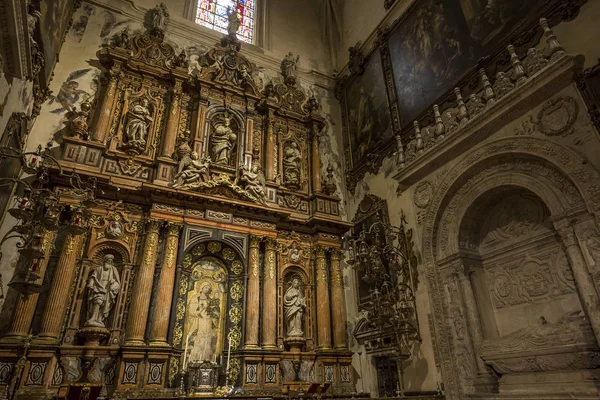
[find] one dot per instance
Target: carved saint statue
(291, 164)
(160, 17)
(253, 181)
(102, 289)
(288, 66)
(222, 141)
(205, 312)
(293, 306)
(233, 22)
(138, 122)
(192, 170)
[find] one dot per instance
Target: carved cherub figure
(192, 170)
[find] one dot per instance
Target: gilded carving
(237, 291)
(199, 249)
(228, 254)
(237, 267)
(214, 247)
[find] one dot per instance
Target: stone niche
(535, 336)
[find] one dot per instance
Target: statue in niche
(253, 181)
(204, 312)
(102, 289)
(222, 141)
(291, 164)
(288, 67)
(160, 17)
(192, 170)
(233, 22)
(138, 122)
(293, 306)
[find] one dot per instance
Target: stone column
(105, 109)
(25, 307)
(166, 283)
(323, 310)
(315, 161)
(252, 295)
(485, 381)
(269, 310)
(588, 296)
(337, 302)
(172, 126)
(56, 304)
(142, 288)
(270, 151)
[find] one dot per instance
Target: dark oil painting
(440, 40)
(369, 122)
(55, 15)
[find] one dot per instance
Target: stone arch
(546, 168)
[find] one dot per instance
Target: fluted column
(315, 161)
(588, 295)
(270, 152)
(56, 305)
(323, 312)
(269, 310)
(166, 283)
(106, 107)
(338, 314)
(252, 295)
(170, 136)
(142, 288)
(25, 307)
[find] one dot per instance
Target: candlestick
(228, 355)
(187, 340)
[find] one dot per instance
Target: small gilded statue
(138, 123)
(288, 67)
(192, 170)
(253, 181)
(291, 165)
(102, 289)
(293, 307)
(222, 141)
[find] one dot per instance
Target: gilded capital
(319, 251)
(153, 226)
(270, 244)
(173, 228)
(336, 254)
(255, 241)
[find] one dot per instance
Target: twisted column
(25, 307)
(269, 311)
(106, 107)
(588, 295)
(323, 311)
(166, 283)
(170, 137)
(142, 288)
(56, 305)
(252, 295)
(337, 302)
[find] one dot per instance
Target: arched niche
(115, 322)
(540, 168)
(289, 275)
(211, 279)
(520, 270)
(215, 117)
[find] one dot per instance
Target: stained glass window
(213, 14)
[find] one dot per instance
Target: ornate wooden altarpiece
(198, 176)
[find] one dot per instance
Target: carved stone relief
(557, 116)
